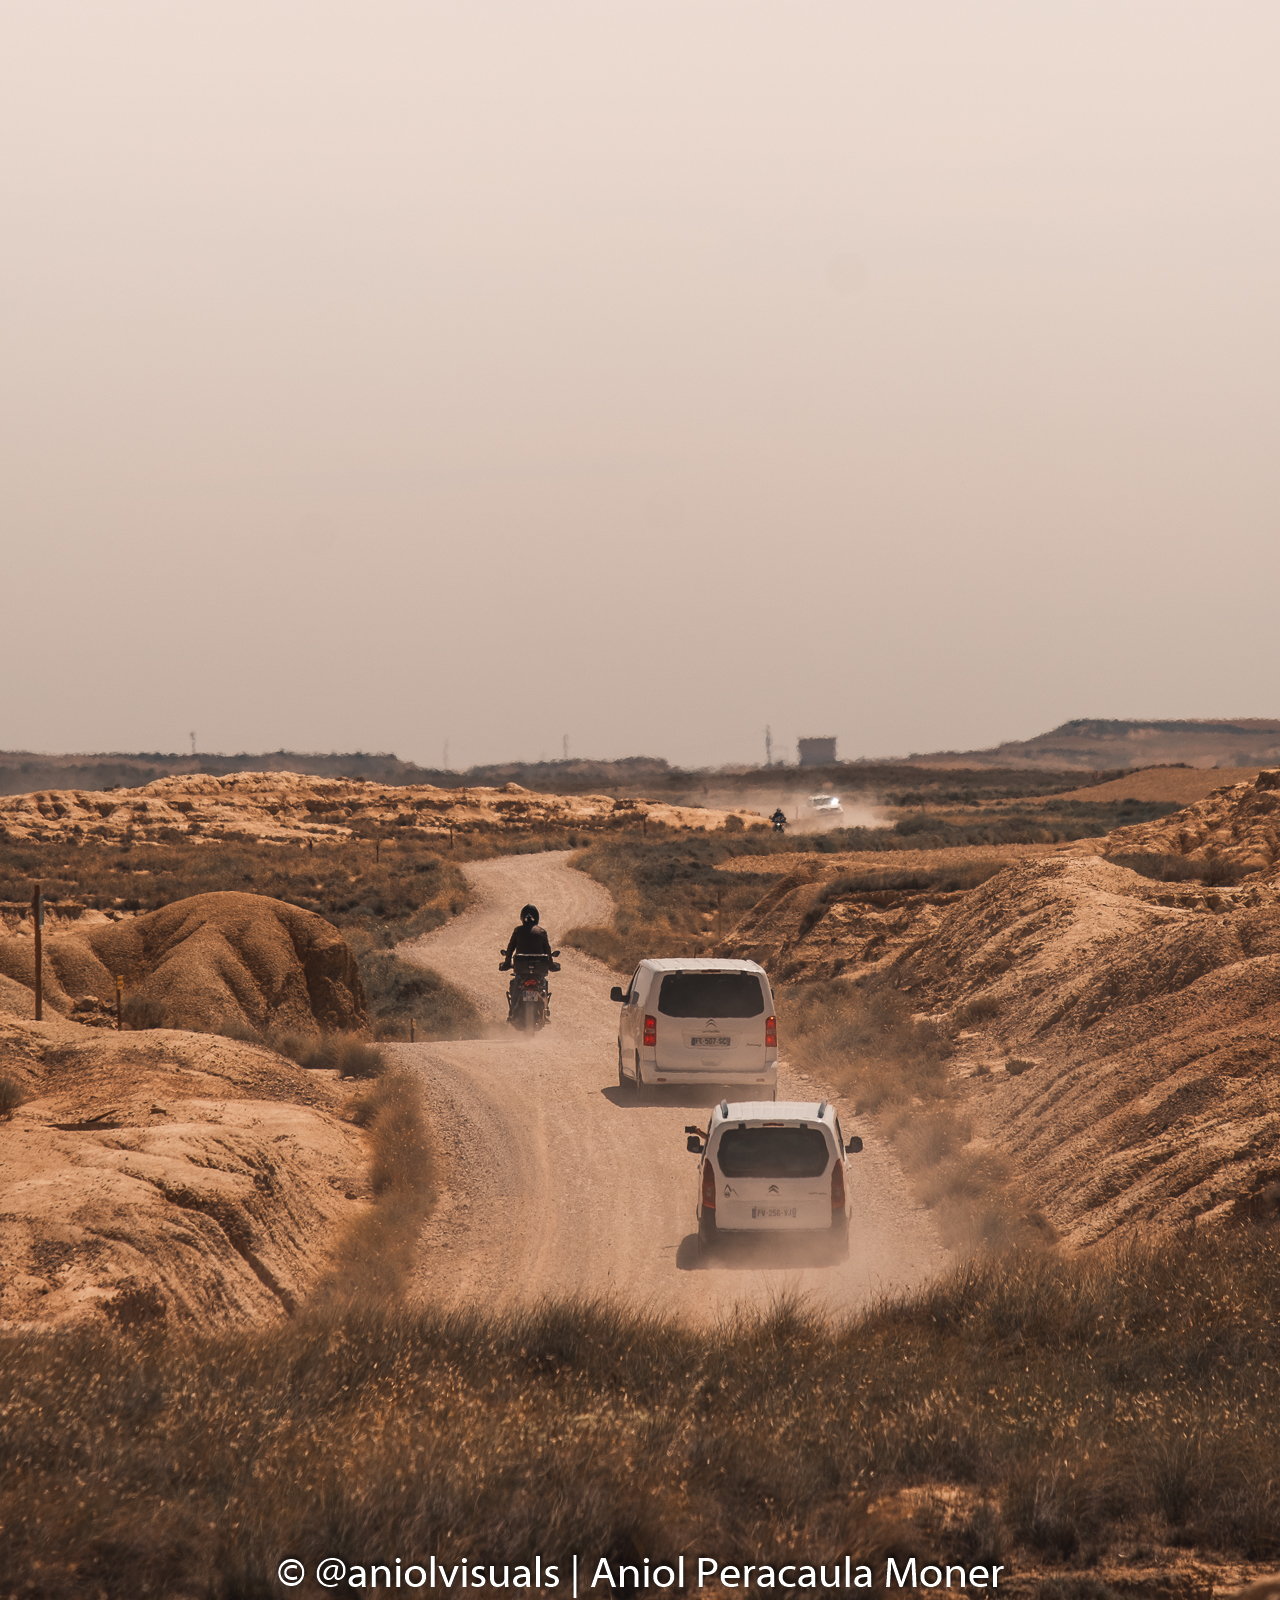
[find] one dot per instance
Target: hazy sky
(376, 375)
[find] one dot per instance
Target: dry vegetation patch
(1077, 1412)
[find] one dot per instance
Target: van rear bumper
(766, 1075)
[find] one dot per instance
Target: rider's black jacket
(528, 942)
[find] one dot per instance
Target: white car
(773, 1167)
(826, 805)
(697, 1021)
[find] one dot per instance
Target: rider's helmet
(529, 916)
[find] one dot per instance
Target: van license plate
(772, 1211)
(706, 1039)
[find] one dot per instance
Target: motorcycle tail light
(708, 1187)
(771, 1033)
(837, 1186)
(651, 1030)
(531, 983)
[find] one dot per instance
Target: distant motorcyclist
(779, 820)
(528, 939)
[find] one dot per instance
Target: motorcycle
(528, 993)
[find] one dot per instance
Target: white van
(697, 1021)
(773, 1167)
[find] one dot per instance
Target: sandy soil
(557, 1182)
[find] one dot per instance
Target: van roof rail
(822, 1111)
(724, 1108)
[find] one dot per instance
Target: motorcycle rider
(529, 938)
(779, 820)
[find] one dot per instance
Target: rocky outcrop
(1232, 834)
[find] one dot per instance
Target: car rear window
(772, 1153)
(710, 994)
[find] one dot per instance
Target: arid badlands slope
(288, 808)
(1120, 1032)
(1116, 1036)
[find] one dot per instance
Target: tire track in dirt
(557, 1182)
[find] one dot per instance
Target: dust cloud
(793, 795)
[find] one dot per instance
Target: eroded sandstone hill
(1150, 1018)
(287, 807)
(213, 961)
(167, 1178)
(1233, 834)
(1119, 1030)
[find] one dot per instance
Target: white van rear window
(772, 1153)
(710, 994)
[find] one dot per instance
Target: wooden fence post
(37, 918)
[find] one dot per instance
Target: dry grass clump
(670, 899)
(863, 1038)
(11, 1097)
(398, 991)
(1078, 1407)
(374, 1257)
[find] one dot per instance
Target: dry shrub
(341, 1053)
(11, 1097)
(862, 1037)
(398, 991)
(985, 1008)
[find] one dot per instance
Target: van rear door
(773, 1176)
(711, 1022)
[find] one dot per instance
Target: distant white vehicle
(773, 1167)
(699, 1021)
(826, 805)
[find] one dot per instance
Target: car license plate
(773, 1211)
(705, 1039)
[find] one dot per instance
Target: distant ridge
(1095, 744)
(26, 772)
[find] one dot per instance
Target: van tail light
(651, 1030)
(771, 1033)
(837, 1186)
(708, 1187)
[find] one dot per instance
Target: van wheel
(622, 1077)
(641, 1091)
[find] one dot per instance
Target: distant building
(817, 752)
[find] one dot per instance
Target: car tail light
(771, 1033)
(837, 1186)
(708, 1187)
(651, 1030)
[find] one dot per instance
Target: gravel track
(556, 1182)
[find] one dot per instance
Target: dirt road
(558, 1182)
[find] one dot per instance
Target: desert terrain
(1096, 1022)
